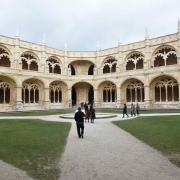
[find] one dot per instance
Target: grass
(72, 110)
(38, 113)
(33, 145)
(160, 132)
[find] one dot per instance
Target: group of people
(134, 110)
(80, 116)
(89, 114)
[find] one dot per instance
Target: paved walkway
(9, 172)
(109, 153)
(106, 153)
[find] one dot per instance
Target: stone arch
(107, 92)
(32, 91)
(134, 61)
(29, 61)
(82, 92)
(54, 65)
(5, 56)
(58, 92)
(7, 90)
(164, 55)
(109, 64)
(132, 90)
(81, 67)
(164, 89)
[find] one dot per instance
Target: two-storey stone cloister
(37, 77)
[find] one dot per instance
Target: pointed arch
(29, 61)
(165, 89)
(7, 90)
(109, 65)
(57, 90)
(108, 91)
(133, 90)
(164, 55)
(5, 58)
(134, 61)
(32, 90)
(54, 65)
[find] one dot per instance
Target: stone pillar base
(179, 105)
(19, 106)
(46, 105)
(97, 104)
(118, 105)
(147, 104)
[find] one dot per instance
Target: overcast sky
(84, 23)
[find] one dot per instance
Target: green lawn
(38, 113)
(33, 145)
(161, 132)
(72, 110)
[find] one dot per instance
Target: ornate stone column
(95, 71)
(118, 92)
(95, 98)
(46, 98)
(19, 104)
(69, 97)
(147, 96)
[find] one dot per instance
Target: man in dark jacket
(125, 111)
(79, 118)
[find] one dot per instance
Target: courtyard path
(109, 153)
(9, 172)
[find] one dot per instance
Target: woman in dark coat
(92, 114)
(87, 113)
(125, 111)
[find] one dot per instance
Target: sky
(85, 24)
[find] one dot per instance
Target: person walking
(92, 114)
(79, 118)
(133, 112)
(125, 111)
(137, 109)
(87, 113)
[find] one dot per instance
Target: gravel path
(9, 172)
(109, 153)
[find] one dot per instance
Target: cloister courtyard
(41, 145)
(41, 88)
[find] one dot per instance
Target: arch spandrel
(73, 60)
(58, 59)
(6, 48)
(32, 53)
(99, 83)
(123, 81)
(40, 81)
(155, 77)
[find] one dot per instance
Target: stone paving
(109, 153)
(9, 172)
(106, 153)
